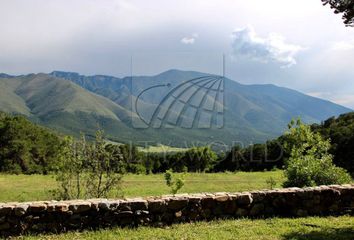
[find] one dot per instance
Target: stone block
(244, 199)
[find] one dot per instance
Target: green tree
(345, 7)
(309, 163)
(132, 159)
(26, 147)
(88, 170)
(103, 178)
(341, 132)
(200, 159)
(71, 172)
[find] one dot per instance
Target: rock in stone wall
(61, 216)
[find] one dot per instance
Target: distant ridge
(70, 102)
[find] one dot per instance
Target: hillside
(251, 113)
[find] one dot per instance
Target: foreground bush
(88, 170)
(309, 163)
(341, 132)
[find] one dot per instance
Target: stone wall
(60, 216)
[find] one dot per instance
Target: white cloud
(246, 43)
(190, 40)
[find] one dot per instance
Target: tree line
(28, 148)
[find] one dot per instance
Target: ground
(37, 187)
(314, 228)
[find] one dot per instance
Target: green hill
(73, 103)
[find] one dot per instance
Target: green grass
(315, 228)
(37, 187)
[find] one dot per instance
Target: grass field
(37, 187)
(314, 228)
(161, 149)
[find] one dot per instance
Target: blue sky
(297, 44)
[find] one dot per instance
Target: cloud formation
(190, 40)
(246, 43)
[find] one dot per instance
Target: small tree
(102, 177)
(310, 163)
(175, 183)
(71, 168)
(87, 170)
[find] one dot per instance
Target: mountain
(70, 102)
(59, 104)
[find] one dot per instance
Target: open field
(314, 228)
(161, 149)
(37, 187)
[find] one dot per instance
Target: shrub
(175, 183)
(87, 170)
(310, 163)
(271, 183)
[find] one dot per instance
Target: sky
(296, 44)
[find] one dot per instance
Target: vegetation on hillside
(70, 104)
(26, 147)
(339, 131)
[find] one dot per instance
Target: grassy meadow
(314, 228)
(161, 149)
(37, 187)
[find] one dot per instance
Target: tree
(310, 163)
(200, 159)
(26, 147)
(103, 178)
(346, 7)
(71, 169)
(88, 170)
(132, 159)
(341, 132)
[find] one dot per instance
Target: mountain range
(72, 103)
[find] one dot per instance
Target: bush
(309, 163)
(309, 171)
(87, 170)
(175, 183)
(271, 183)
